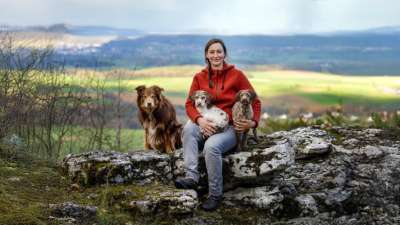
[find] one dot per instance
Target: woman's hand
(244, 125)
(207, 127)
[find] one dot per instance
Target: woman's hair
(209, 43)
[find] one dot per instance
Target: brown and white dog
(158, 118)
(242, 109)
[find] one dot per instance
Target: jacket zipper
(216, 87)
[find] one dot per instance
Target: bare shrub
(38, 104)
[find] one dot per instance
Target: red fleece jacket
(227, 83)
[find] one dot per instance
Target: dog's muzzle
(245, 101)
(148, 107)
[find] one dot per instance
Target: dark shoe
(212, 203)
(185, 183)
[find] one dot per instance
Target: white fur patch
(218, 116)
(151, 138)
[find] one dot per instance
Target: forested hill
(370, 52)
(342, 54)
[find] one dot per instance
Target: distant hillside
(78, 30)
(385, 30)
(342, 54)
(369, 52)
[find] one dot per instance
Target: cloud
(260, 16)
(358, 14)
(226, 16)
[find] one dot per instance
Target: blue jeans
(213, 148)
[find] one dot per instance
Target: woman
(223, 82)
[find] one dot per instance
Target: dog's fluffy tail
(178, 135)
(175, 133)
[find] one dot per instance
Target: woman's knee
(211, 148)
(190, 130)
(220, 143)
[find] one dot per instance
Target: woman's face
(216, 55)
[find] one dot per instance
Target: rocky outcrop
(253, 168)
(307, 142)
(71, 213)
(303, 176)
(249, 168)
(176, 202)
(259, 197)
(116, 168)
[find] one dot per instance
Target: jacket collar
(225, 68)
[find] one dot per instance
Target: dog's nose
(148, 104)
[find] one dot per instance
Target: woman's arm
(191, 111)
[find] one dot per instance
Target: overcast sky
(219, 16)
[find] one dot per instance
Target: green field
(273, 86)
(291, 92)
(77, 140)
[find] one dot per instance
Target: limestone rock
(257, 167)
(174, 202)
(307, 205)
(259, 197)
(304, 176)
(70, 213)
(308, 142)
(116, 167)
(262, 161)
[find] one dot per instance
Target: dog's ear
(192, 96)
(157, 89)
(140, 89)
(237, 97)
(209, 101)
(253, 95)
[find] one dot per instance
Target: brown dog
(242, 109)
(158, 118)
